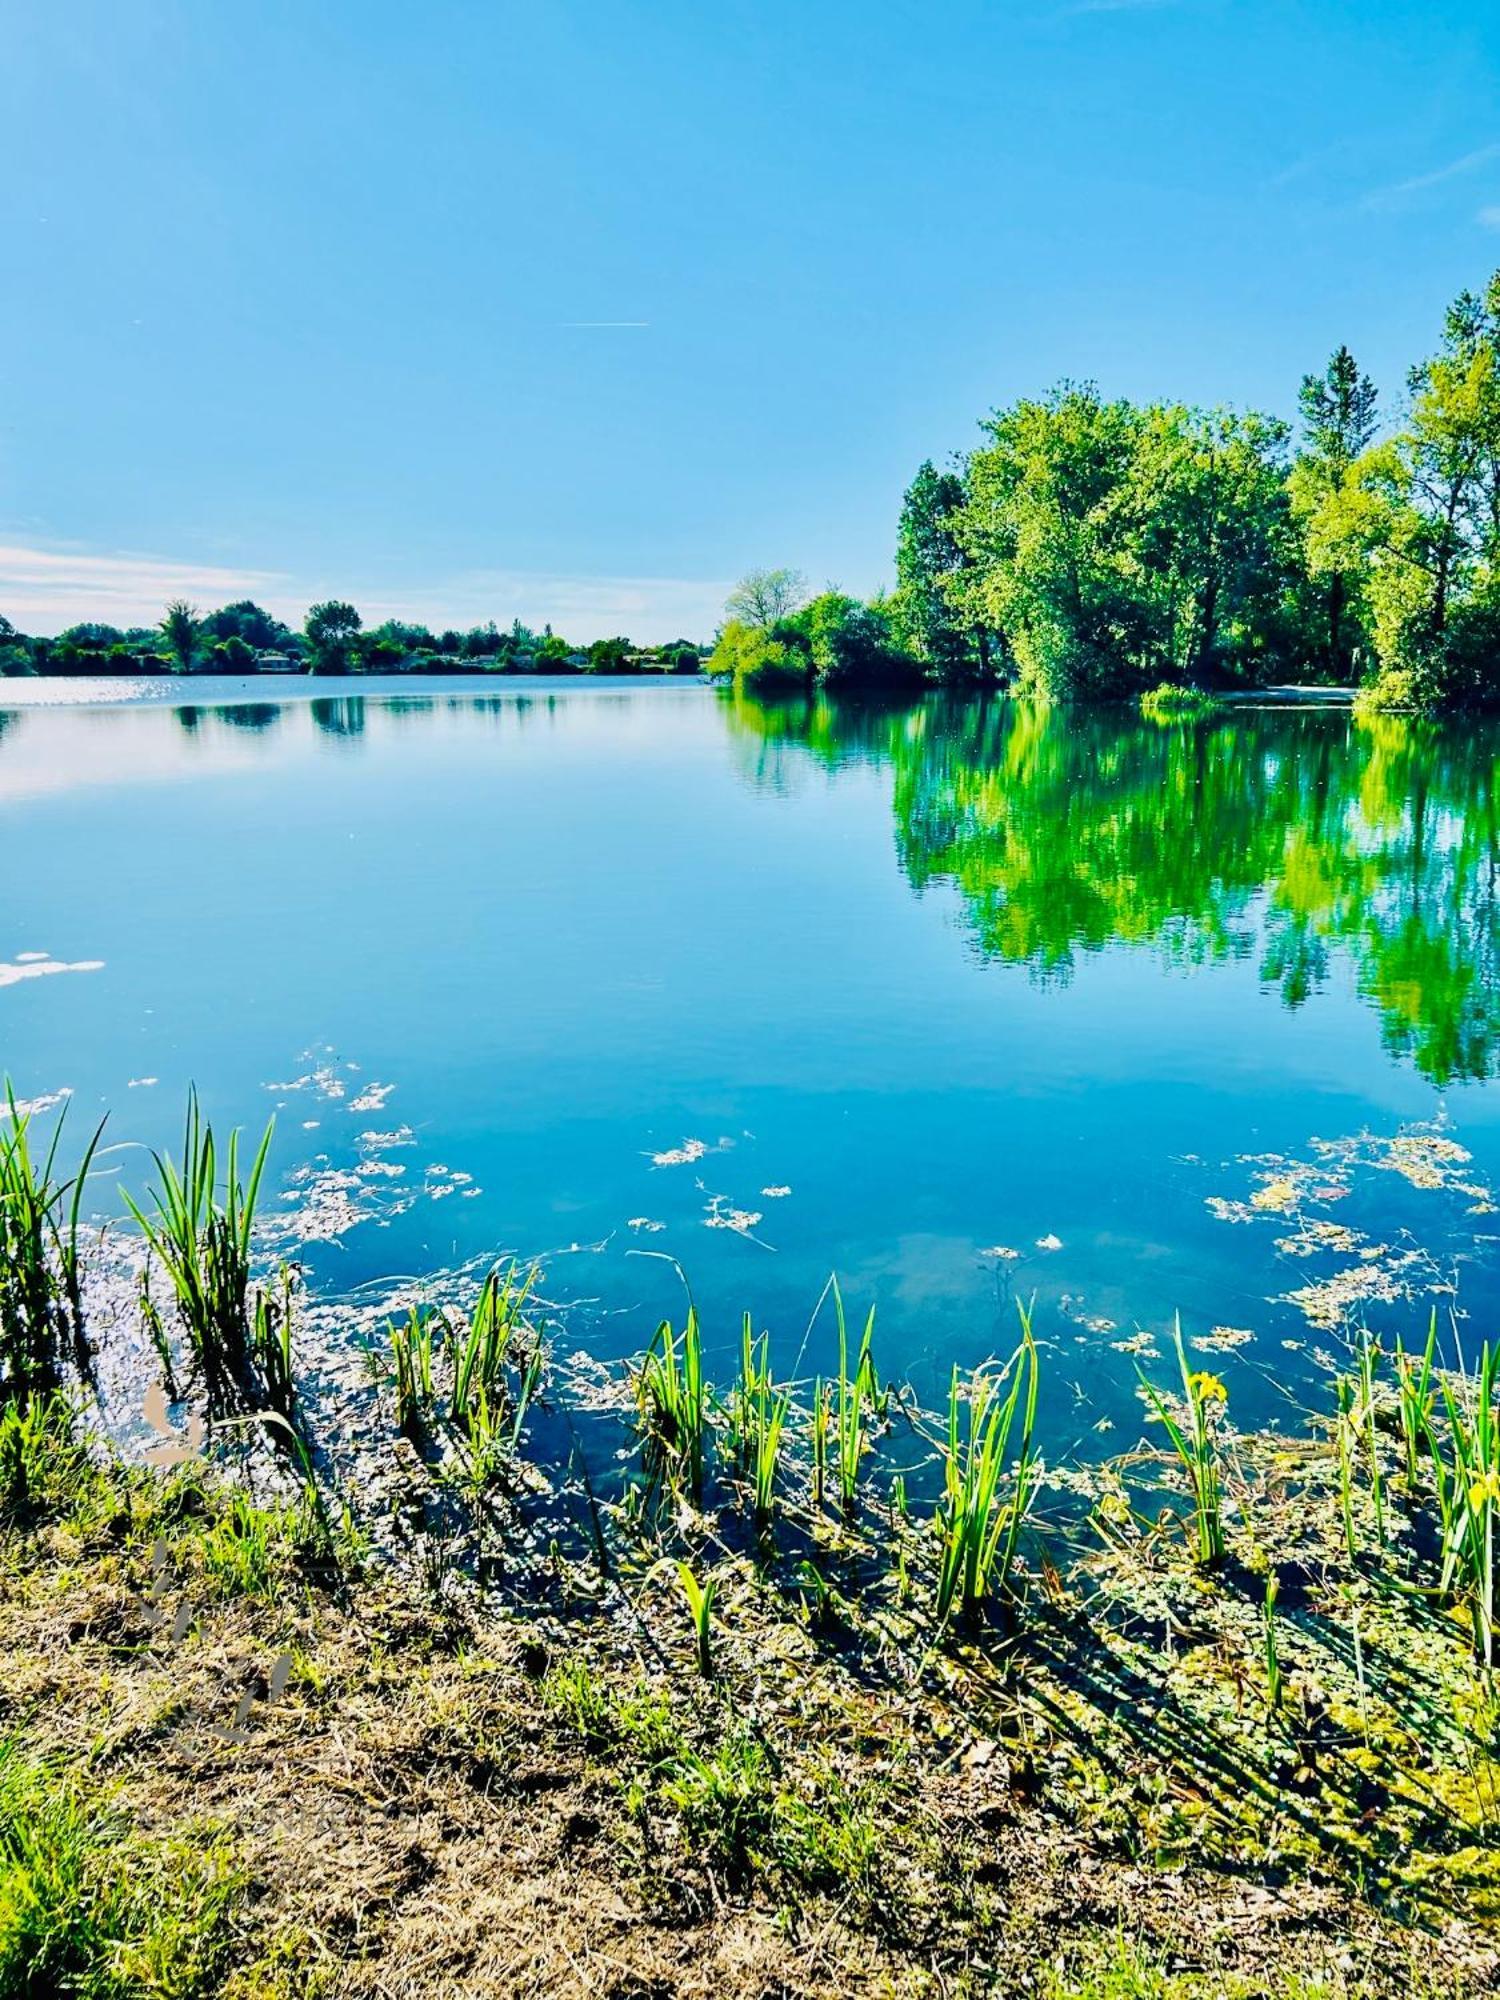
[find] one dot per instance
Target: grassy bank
(805, 1691)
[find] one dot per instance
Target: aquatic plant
(1474, 1515)
(978, 1519)
(41, 1290)
(1172, 701)
(700, 1600)
(493, 1382)
(759, 1413)
(857, 1398)
(758, 1417)
(201, 1239)
(671, 1397)
(1415, 1397)
(1196, 1444)
(411, 1356)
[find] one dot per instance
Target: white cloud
(1399, 191)
(46, 589)
(1489, 218)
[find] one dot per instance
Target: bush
(759, 662)
(1170, 700)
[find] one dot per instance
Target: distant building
(273, 663)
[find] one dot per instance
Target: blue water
(957, 978)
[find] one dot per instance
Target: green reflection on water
(1300, 838)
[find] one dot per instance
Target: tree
(610, 656)
(1423, 515)
(763, 596)
(1338, 424)
(331, 628)
(179, 632)
(758, 663)
(930, 609)
(246, 620)
(235, 655)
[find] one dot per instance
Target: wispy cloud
(1489, 218)
(46, 589)
(1400, 191)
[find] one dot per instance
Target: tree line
(1096, 548)
(244, 638)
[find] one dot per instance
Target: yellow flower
(1206, 1388)
(1485, 1489)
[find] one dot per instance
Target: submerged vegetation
(786, 1685)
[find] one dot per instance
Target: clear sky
(575, 309)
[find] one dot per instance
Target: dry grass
(562, 1806)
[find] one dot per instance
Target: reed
(411, 1356)
(1474, 1515)
(819, 1424)
(1415, 1399)
(758, 1413)
(671, 1397)
(1369, 1359)
(985, 1497)
(41, 1286)
(857, 1398)
(700, 1600)
(1196, 1445)
(497, 1367)
(201, 1238)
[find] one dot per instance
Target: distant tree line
(1090, 548)
(244, 638)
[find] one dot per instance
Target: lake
(964, 1000)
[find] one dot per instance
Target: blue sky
(306, 296)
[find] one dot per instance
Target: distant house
(273, 663)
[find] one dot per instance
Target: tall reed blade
(986, 1496)
(1197, 1448)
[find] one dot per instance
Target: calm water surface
(589, 970)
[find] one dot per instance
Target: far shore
(215, 690)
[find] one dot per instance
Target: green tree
(331, 628)
(754, 660)
(930, 608)
(179, 633)
(249, 621)
(1338, 425)
(1423, 514)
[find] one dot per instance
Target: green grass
(92, 1908)
(43, 1463)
